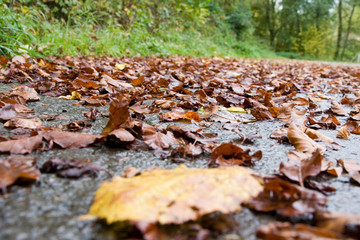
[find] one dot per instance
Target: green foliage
(145, 27)
(236, 28)
(13, 37)
(311, 43)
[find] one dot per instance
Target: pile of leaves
(198, 91)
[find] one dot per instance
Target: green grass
(31, 32)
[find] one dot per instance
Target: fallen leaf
(131, 172)
(313, 134)
(339, 223)
(286, 199)
(119, 115)
(71, 168)
(71, 140)
(229, 154)
(121, 134)
(10, 111)
(337, 109)
(160, 140)
(333, 170)
(29, 94)
(353, 168)
(300, 165)
(121, 66)
(92, 114)
(15, 169)
(21, 146)
(280, 135)
(237, 110)
(287, 231)
(301, 141)
(31, 123)
(343, 133)
(174, 195)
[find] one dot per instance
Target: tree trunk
(271, 21)
(338, 42)
(348, 31)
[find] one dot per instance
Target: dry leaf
(286, 231)
(32, 123)
(160, 140)
(121, 134)
(229, 154)
(286, 199)
(71, 140)
(337, 109)
(71, 168)
(339, 223)
(300, 165)
(301, 141)
(343, 133)
(119, 115)
(174, 195)
(29, 94)
(333, 170)
(21, 146)
(313, 134)
(17, 168)
(353, 168)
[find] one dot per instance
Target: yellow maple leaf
(174, 195)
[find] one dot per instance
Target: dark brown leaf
(15, 169)
(228, 154)
(119, 115)
(286, 199)
(71, 168)
(300, 165)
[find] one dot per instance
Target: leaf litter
(199, 92)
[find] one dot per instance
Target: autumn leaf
(286, 199)
(119, 115)
(10, 111)
(285, 230)
(31, 123)
(280, 135)
(174, 195)
(13, 169)
(353, 168)
(301, 141)
(343, 133)
(160, 140)
(337, 109)
(228, 154)
(71, 140)
(313, 134)
(177, 114)
(339, 223)
(29, 94)
(300, 165)
(334, 170)
(71, 168)
(21, 146)
(121, 134)
(92, 114)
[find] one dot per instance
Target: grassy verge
(29, 31)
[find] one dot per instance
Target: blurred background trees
(314, 29)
